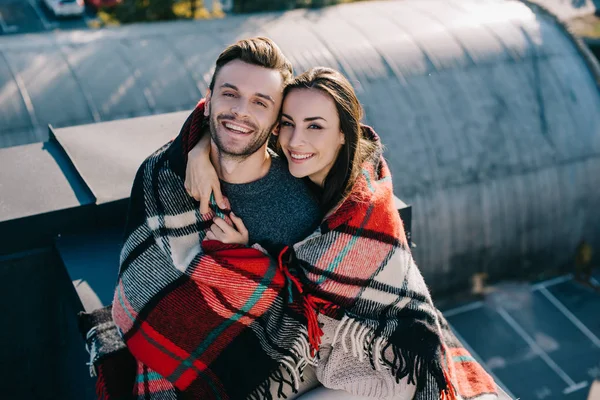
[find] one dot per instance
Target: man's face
(243, 107)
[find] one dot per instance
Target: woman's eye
(314, 126)
(286, 123)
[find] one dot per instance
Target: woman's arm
(201, 179)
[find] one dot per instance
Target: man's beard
(259, 138)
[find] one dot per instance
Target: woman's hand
(201, 178)
(225, 233)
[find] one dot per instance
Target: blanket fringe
(293, 365)
(263, 391)
(404, 364)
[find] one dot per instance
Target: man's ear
(207, 103)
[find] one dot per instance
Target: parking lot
(29, 16)
(540, 341)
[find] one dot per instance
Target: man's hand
(201, 178)
(225, 233)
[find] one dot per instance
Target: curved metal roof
(488, 109)
(80, 77)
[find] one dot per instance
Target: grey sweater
(278, 209)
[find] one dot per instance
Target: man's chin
(233, 151)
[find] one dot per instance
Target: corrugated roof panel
(198, 53)
(55, 94)
(547, 37)
(162, 74)
(355, 53)
(14, 118)
(582, 102)
(481, 45)
(433, 38)
(304, 48)
(13, 112)
(112, 86)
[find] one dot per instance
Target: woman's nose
(297, 138)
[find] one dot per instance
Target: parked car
(65, 8)
(98, 4)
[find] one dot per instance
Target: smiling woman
(320, 133)
(310, 134)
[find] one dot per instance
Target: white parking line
(584, 329)
(463, 309)
(551, 282)
(480, 360)
(543, 355)
(47, 25)
(5, 27)
(477, 304)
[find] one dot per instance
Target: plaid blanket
(217, 321)
(358, 265)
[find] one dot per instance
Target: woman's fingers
(216, 190)
(204, 203)
(210, 236)
(222, 231)
(220, 223)
(239, 224)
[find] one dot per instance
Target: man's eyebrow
(261, 95)
(229, 85)
(265, 96)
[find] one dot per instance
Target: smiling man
(242, 109)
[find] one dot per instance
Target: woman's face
(310, 134)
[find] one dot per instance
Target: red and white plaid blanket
(218, 321)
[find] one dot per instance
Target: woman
(378, 333)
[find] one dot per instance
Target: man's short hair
(260, 51)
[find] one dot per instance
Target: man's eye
(260, 103)
(228, 95)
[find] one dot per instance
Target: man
(242, 109)
(160, 258)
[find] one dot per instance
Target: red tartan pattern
(188, 323)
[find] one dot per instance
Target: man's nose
(241, 108)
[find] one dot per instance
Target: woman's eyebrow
(314, 119)
(287, 116)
